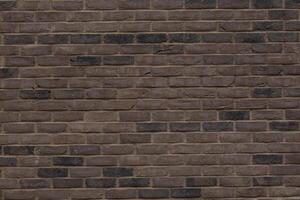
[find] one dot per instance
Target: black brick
(151, 127)
(266, 92)
(86, 39)
(118, 38)
(151, 38)
(18, 150)
(8, 162)
(53, 39)
(7, 5)
(101, 182)
(267, 181)
(18, 39)
(35, 94)
(185, 37)
(267, 159)
(67, 183)
(118, 60)
(200, 4)
(284, 126)
(217, 126)
(117, 172)
(186, 193)
(250, 38)
(283, 14)
(52, 172)
(265, 4)
(68, 161)
(9, 72)
(234, 115)
(134, 182)
(268, 26)
(86, 60)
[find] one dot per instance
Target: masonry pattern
(149, 99)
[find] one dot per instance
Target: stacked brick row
(149, 99)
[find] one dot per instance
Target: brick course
(149, 99)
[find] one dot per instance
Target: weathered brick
(34, 183)
(118, 38)
(53, 39)
(217, 126)
(35, 94)
(67, 183)
(266, 92)
(134, 182)
(8, 162)
(118, 60)
(267, 181)
(151, 127)
(18, 150)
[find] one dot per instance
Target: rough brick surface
(149, 99)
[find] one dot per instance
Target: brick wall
(149, 99)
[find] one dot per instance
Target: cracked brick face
(149, 99)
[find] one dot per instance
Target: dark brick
(119, 38)
(52, 172)
(283, 14)
(118, 60)
(117, 172)
(151, 38)
(217, 126)
(284, 126)
(86, 39)
(217, 38)
(151, 127)
(35, 94)
(292, 4)
(233, 4)
(234, 115)
(18, 150)
(134, 182)
(267, 181)
(67, 183)
(266, 92)
(185, 37)
(292, 114)
(86, 60)
(250, 38)
(8, 162)
(153, 193)
(53, 39)
(186, 193)
(85, 150)
(200, 4)
(135, 138)
(283, 37)
(18, 39)
(184, 127)
(9, 72)
(266, 4)
(266, 159)
(268, 26)
(101, 182)
(201, 182)
(67, 161)
(7, 5)
(34, 183)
